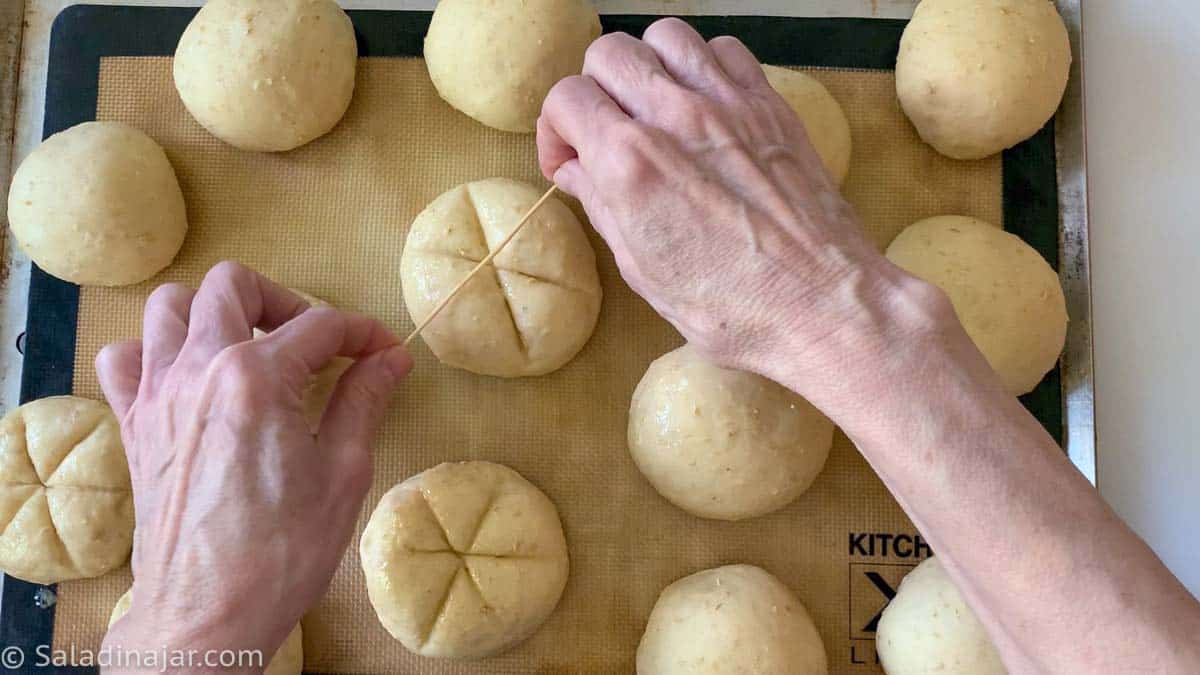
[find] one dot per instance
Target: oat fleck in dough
(531, 310)
(98, 204)
(267, 75)
(496, 60)
(979, 76)
(928, 628)
(464, 560)
(732, 619)
(66, 507)
(1006, 295)
(721, 443)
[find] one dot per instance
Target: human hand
(243, 513)
(716, 206)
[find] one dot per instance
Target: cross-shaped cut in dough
(66, 507)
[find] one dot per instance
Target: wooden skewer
(482, 263)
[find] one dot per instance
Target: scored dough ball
(537, 305)
(496, 60)
(1005, 294)
(98, 204)
(823, 117)
(267, 75)
(724, 444)
(928, 628)
(464, 560)
(732, 619)
(65, 500)
(979, 76)
(287, 660)
(324, 381)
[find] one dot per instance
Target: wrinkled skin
(720, 215)
(702, 181)
(243, 514)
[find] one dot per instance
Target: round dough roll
(823, 117)
(724, 444)
(1005, 294)
(65, 498)
(287, 660)
(928, 628)
(978, 76)
(464, 560)
(267, 75)
(320, 387)
(496, 60)
(98, 204)
(532, 311)
(728, 620)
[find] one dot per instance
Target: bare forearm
(1045, 563)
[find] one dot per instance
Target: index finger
(322, 333)
(575, 115)
(231, 302)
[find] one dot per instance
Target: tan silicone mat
(330, 219)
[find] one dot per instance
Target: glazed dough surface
(531, 310)
(66, 507)
(464, 560)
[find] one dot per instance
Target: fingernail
(398, 361)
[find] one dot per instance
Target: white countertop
(1141, 64)
(1144, 179)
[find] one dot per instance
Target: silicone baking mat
(330, 218)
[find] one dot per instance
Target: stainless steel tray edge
(1078, 377)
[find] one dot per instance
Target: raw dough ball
(267, 75)
(527, 315)
(978, 76)
(464, 560)
(98, 204)
(496, 60)
(824, 120)
(287, 660)
(320, 388)
(724, 444)
(1003, 291)
(728, 620)
(65, 500)
(928, 628)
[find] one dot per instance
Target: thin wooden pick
(482, 263)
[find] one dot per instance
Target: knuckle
(227, 270)
(167, 295)
(606, 47)
(561, 92)
(229, 275)
(240, 366)
(670, 28)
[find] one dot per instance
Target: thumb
(360, 400)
